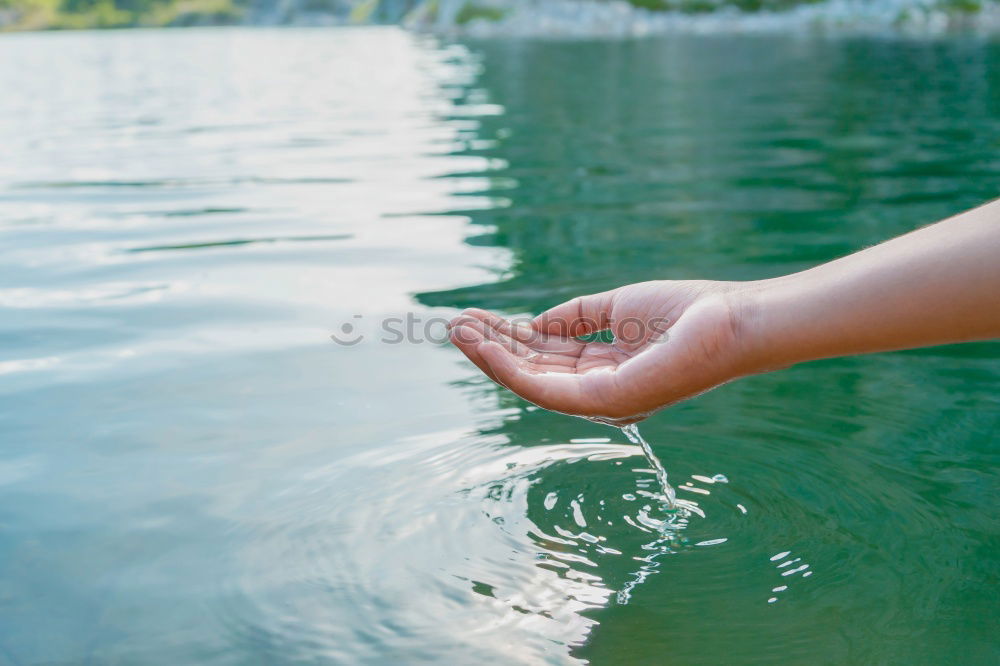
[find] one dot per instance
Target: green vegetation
(70, 14)
(961, 6)
(704, 6)
(958, 7)
(471, 11)
(75, 14)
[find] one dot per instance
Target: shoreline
(620, 19)
(554, 19)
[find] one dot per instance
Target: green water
(192, 471)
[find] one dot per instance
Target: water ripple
(239, 241)
(528, 539)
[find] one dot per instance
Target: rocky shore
(618, 18)
(529, 18)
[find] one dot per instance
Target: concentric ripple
(527, 539)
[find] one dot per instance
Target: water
(669, 495)
(192, 471)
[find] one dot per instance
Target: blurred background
(193, 471)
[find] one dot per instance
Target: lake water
(193, 471)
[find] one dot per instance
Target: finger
(581, 316)
(490, 333)
(539, 342)
(468, 341)
(521, 332)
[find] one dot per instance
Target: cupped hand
(672, 340)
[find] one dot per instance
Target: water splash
(678, 512)
(669, 495)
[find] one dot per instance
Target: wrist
(763, 330)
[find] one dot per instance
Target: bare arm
(936, 285)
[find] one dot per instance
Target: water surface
(191, 471)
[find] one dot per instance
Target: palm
(617, 382)
(563, 354)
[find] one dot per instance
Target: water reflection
(788, 565)
(669, 158)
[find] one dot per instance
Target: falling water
(669, 495)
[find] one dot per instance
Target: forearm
(936, 285)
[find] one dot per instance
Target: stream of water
(668, 494)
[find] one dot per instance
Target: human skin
(675, 339)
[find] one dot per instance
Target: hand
(673, 340)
